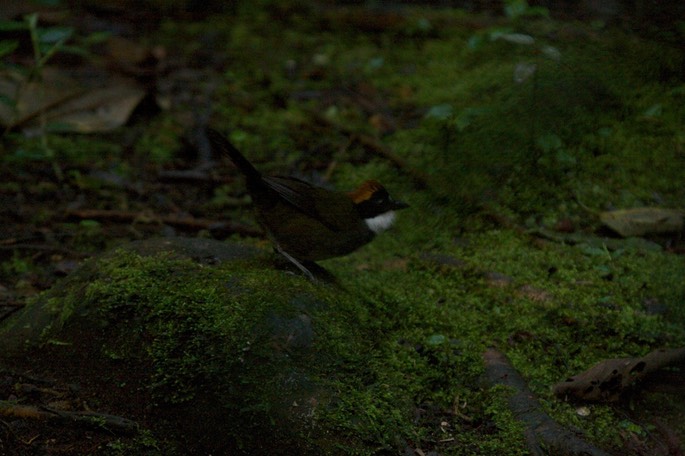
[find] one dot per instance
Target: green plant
(46, 42)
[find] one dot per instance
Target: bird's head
(375, 205)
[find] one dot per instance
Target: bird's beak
(396, 205)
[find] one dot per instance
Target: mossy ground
(599, 120)
(398, 345)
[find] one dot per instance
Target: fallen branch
(90, 420)
(609, 379)
(543, 434)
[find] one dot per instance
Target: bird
(307, 223)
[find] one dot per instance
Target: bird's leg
(299, 265)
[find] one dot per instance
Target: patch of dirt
(50, 378)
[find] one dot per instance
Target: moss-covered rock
(243, 353)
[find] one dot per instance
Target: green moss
(388, 345)
(144, 444)
(510, 438)
(160, 141)
(76, 150)
(558, 314)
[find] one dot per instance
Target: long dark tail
(222, 144)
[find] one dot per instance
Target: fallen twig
(543, 434)
(91, 420)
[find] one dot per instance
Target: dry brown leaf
(66, 104)
(101, 109)
(32, 96)
(643, 220)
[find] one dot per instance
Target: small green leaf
(53, 35)
(632, 427)
(551, 53)
(591, 250)
(441, 112)
(603, 270)
(424, 25)
(474, 42)
(496, 32)
(516, 38)
(523, 71)
(653, 111)
(375, 63)
(605, 132)
(436, 339)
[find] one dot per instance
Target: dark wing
(298, 193)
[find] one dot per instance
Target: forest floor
(542, 158)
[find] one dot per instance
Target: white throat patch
(380, 222)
